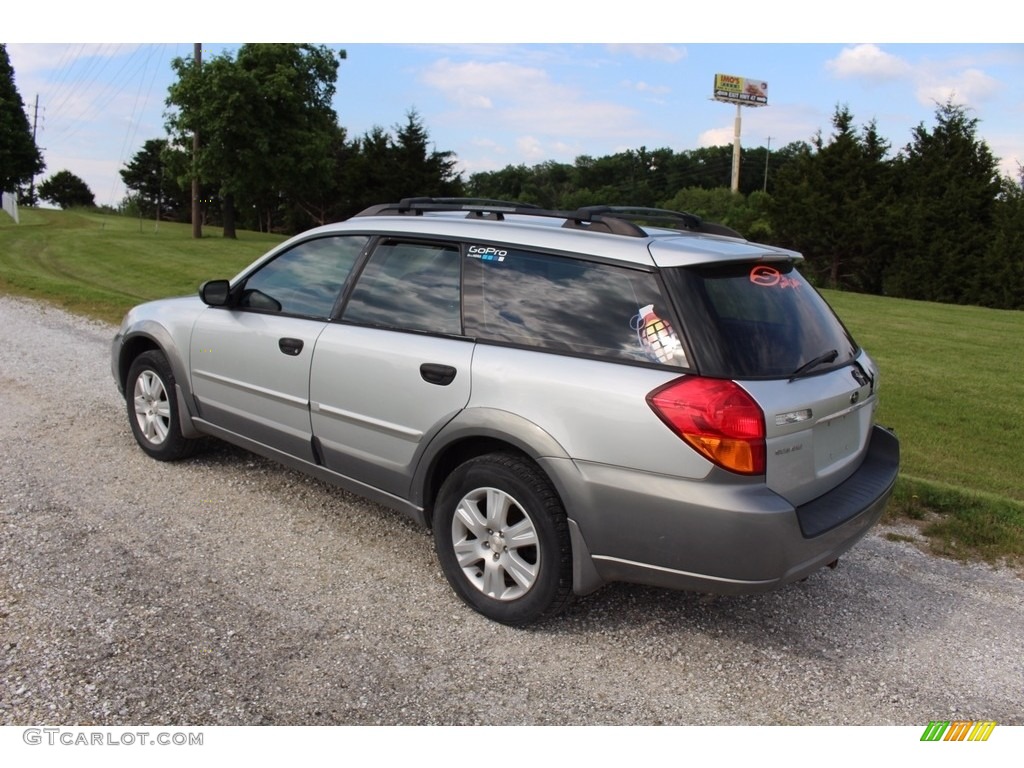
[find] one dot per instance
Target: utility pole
(766, 155)
(197, 224)
(32, 183)
(159, 197)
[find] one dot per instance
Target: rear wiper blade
(828, 357)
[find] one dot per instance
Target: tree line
(934, 220)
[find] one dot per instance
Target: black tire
(501, 516)
(153, 408)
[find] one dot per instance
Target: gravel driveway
(226, 590)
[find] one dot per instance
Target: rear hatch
(762, 325)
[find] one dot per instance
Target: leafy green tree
(67, 190)
(949, 184)
(639, 177)
(747, 214)
(633, 177)
(549, 184)
(707, 167)
(506, 184)
(318, 204)
(20, 158)
(265, 122)
(150, 176)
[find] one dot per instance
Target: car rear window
(757, 320)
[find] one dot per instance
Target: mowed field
(952, 377)
(101, 266)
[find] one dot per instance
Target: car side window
(408, 286)
(570, 305)
(304, 280)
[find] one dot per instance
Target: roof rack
(475, 207)
(662, 217)
(611, 219)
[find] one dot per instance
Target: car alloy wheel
(495, 542)
(153, 408)
(502, 539)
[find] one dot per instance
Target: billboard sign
(748, 91)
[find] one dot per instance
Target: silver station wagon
(566, 398)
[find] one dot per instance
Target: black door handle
(435, 373)
(290, 346)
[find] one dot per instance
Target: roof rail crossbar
(613, 225)
(688, 220)
(475, 207)
(675, 219)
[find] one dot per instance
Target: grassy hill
(101, 266)
(952, 377)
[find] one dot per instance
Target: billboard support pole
(736, 152)
(743, 92)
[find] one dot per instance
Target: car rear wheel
(153, 408)
(502, 539)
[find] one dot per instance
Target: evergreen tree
(150, 176)
(948, 187)
(20, 158)
(827, 204)
(423, 172)
(381, 168)
(1002, 278)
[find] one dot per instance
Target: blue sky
(494, 102)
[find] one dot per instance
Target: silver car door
(395, 369)
(250, 361)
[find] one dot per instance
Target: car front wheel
(502, 539)
(153, 408)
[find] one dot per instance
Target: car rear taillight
(717, 417)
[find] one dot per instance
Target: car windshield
(757, 321)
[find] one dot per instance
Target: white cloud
(714, 137)
(643, 87)
(668, 54)
(475, 82)
(971, 86)
(868, 62)
(488, 144)
(531, 148)
(519, 98)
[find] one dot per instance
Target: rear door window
(408, 286)
(750, 321)
(562, 304)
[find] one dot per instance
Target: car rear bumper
(718, 534)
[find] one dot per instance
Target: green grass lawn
(952, 383)
(101, 265)
(953, 389)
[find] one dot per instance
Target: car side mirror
(215, 293)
